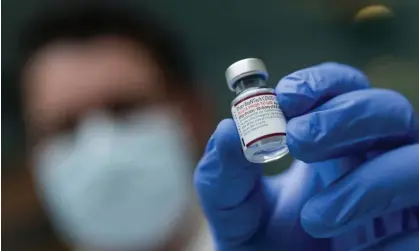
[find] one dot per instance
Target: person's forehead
(70, 73)
(97, 68)
(120, 57)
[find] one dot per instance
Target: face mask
(117, 184)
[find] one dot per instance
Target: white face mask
(120, 184)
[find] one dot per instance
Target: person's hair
(81, 20)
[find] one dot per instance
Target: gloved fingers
(385, 184)
(332, 169)
(305, 89)
(230, 188)
(405, 242)
(353, 124)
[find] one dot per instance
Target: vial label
(257, 117)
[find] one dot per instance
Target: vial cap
(243, 68)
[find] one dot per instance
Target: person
(114, 124)
(354, 183)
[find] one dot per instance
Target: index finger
(305, 89)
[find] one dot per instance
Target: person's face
(107, 94)
(67, 80)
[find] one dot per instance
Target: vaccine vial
(256, 112)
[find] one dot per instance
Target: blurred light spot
(373, 12)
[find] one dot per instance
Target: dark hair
(79, 20)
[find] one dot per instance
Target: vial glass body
(260, 122)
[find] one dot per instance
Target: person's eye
(63, 125)
(122, 109)
(67, 125)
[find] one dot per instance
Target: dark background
(287, 35)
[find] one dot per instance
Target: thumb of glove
(231, 189)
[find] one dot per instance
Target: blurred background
(379, 37)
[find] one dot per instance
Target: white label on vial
(257, 117)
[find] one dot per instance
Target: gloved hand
(358, 159)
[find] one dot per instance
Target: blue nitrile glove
(362, 147)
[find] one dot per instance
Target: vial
(259, 120)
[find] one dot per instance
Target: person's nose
(95, 132)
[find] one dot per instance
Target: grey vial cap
(243, 68)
